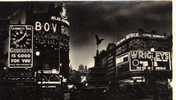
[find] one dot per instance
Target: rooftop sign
(134, 35)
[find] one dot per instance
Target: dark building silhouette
(50, 40)
(50, 50)
(104, 71)
(53, 43)
(127, 61)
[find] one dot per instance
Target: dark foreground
(125, 93)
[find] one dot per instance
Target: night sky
(111, 21)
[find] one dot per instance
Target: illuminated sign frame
(17, 50)
(169, 60)
(133, 35)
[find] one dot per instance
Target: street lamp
(37, 53)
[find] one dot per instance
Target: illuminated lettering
(15, 60)
(160, 68)
(166, 56)
(162, 56)
(24, 55)
(140, 54)
(147, 35)
(55, 18)
(13, 55)
(38, 26)
(132, 35)
(54, 27)
(134, 54)
(26, 60)
(147, 55)
(46, 27)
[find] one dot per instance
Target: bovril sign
(53, 25)
(141, 60)
(46, 26)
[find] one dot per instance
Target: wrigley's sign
(141, 60)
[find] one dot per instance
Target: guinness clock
(21, 39)
(20, 53)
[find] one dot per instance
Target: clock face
(21, 39)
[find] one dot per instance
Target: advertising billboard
(151, 60)
(20, 46)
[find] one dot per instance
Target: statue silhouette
(98, 41)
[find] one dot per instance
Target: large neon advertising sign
(152, 60)
(20, 46)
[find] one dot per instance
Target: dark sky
(111, 21)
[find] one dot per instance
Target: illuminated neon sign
(141, 60)
(20, 53)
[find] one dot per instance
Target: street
(125, 94)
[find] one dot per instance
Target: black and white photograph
(86, 50)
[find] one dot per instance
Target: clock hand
(21, 38)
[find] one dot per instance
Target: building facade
(50, 57)
(50, 40)
(133, 59)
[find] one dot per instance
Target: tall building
(50, 39)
